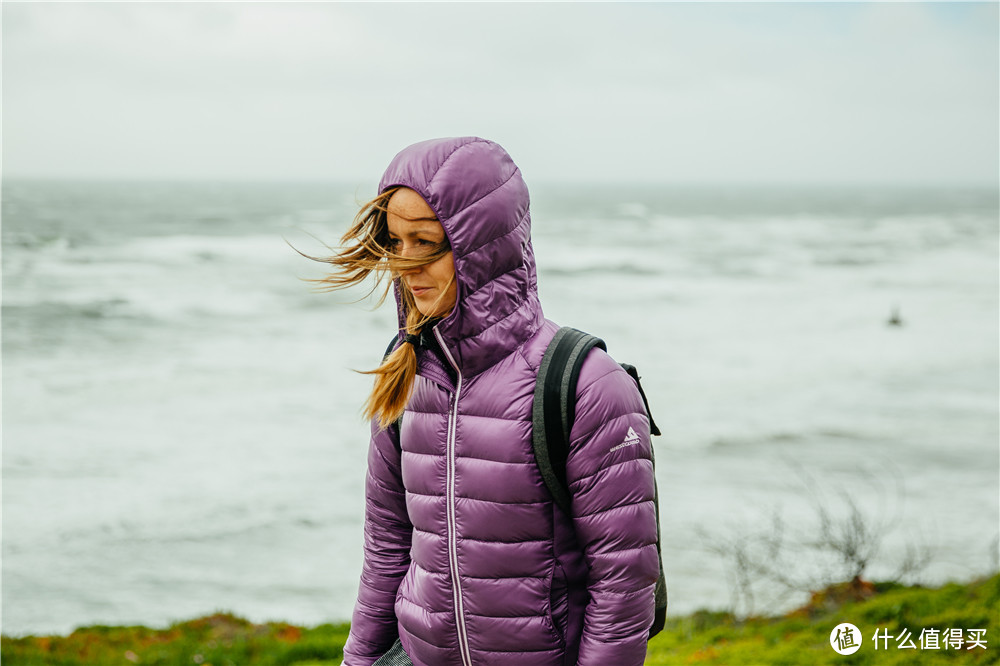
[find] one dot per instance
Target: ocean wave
(598, 269)
(61, 312)
(191, 530)
(785, 437)
(46, 325)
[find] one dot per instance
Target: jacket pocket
(402, 594)
(558, 603)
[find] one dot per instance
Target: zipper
(456, 584)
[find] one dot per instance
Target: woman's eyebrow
(431, 218)
(432, 231)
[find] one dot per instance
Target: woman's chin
(427, 309)
(432, 310)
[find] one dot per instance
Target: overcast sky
(710, 93)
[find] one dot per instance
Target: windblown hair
(365, 251)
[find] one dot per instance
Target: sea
(182, 429)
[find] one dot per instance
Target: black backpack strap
(660, 591)
(554, 407)
(388, 351)
(634, 374)
(392, 345)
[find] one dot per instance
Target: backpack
(552, 413)
(553, 410)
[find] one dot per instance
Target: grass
(217, 640)
(703, 637)
(803, 636)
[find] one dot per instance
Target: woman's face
(414, 230)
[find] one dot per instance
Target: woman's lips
(419, 291)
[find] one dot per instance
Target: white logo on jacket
(630, 439)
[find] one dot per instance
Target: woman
(467, 560)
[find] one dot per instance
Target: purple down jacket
(466, 557)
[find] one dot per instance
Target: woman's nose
(409, 251)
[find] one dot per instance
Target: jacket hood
(478, 195)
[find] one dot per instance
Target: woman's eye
(396, 245)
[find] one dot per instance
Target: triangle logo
(631, 439)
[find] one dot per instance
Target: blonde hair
(365, 251)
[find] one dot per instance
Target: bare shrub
(768, 566)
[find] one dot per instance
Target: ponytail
(393, 384)
(394, 378)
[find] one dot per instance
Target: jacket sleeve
(610, 474)
(387, 536)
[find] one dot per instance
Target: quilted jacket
(466, 558)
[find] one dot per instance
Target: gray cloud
(660, 92)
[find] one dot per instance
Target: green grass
(703, 637)
(803, 636)
(217, 640)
